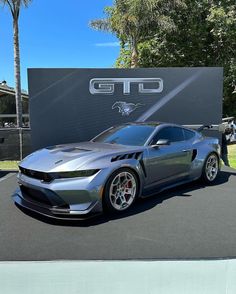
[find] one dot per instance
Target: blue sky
(55, 33)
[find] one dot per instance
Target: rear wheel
(211, 168)
(120, 191)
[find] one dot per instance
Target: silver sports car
(75, 181)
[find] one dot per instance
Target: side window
(164, 133)
(177, 134)
(188, 134)
(173, 134)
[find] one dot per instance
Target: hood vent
(62, 148)
(75, 150)
(135, 155)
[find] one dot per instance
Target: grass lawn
(232, 155)
(9, 165)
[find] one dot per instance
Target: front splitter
(64, 214)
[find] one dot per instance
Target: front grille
(46, 177)
(44, 197)
(35, 195)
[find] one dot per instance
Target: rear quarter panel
(204, 146)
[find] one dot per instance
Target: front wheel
(120, 191)
(210, 169)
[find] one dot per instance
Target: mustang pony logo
(125, 108)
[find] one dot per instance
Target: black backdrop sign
(72, 105)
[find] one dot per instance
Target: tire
(120, 191)
(210, 169)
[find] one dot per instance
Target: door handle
(186, 150)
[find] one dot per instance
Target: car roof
(146, 123)
(154, 124)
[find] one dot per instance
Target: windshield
(135, 135)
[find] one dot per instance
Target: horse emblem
(125, 108)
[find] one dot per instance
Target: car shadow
(3, 173)
(141, 205)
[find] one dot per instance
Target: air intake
(135, 155)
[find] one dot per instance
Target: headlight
(48, 177)
(75, 174)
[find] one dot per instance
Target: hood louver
(135, 155)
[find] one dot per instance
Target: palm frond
(26, 2)
(100, 25)
(14, 6)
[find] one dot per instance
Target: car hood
(71, 156)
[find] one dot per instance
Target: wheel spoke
(123, 200)
(122, 190)
(211, 167)
(128, 190)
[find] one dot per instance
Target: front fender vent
(135, 155)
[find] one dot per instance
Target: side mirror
(161, 142)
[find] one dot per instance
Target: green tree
(134, 21)
(222, 23)
(14, 6)
(205, 35)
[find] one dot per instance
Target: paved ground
(191, 221)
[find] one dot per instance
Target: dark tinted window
(173, 134)
(188, 134)
(126, 135)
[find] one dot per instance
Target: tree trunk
(134, 54)
(17, 72)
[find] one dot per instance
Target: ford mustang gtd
(109, 172)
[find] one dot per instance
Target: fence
(10, 147)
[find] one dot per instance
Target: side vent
(194, 154)
(135, 155)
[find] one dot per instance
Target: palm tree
(134, 21)
(14, 6)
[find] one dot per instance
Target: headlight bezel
(75, 174)
(51, 176)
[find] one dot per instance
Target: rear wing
(204, 127)
(200, 128)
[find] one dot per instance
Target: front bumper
(61, 199)
(56, 212)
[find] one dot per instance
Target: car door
(168, 162)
